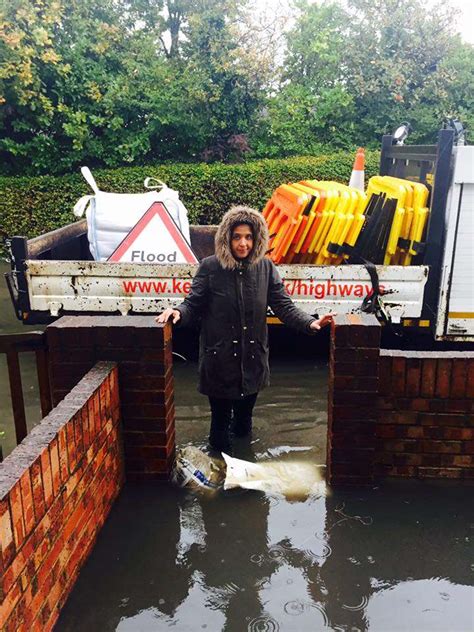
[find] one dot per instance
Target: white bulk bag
(111, 216)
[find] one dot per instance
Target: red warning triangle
(155, 238)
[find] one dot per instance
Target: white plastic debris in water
(197, 471)
(290, 478)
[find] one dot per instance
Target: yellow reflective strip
(409, 322)
(273, 320)
(461, 315)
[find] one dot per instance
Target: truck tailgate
(83, 286)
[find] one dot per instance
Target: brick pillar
(352, 394)
(142, 350)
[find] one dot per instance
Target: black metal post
(19, 247)
(385, 160)
(436, 233)
(16, 392)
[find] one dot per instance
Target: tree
(354, 72)
(458, 100)
(226, 79)
(312, 106)
(134, 81)
(60, 62)
(123, 81)
(396, 47)
(316, 46)
(296, 121)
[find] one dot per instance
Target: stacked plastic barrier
(326, 223)
(283, 213)
(396, 221)
(314, 222)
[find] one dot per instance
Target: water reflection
(388, 559)
(417, 535)
(230, 560)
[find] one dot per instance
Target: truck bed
(60, 278)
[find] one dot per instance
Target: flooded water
(394, 557)
(386, 559)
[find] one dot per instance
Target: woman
(230, 293)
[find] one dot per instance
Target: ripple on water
(360, 606)
(354, 560)
(262, 584)
(263, 624)
(320, 608)
(279, 552)
(232, 589)
(313, 556)
(295, 607)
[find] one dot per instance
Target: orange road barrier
(315, 232)
(283, 212)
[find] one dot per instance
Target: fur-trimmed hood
(241, 215)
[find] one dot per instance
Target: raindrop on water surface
(263, 624)
(294, 608)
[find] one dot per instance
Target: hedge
(32, 206)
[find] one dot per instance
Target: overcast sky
(465, 24)
(465, 20)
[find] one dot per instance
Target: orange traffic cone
(357, 176)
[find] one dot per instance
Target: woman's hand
(322, 322)
(167, 314)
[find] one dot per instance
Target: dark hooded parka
(231, 296)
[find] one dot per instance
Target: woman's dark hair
(235, 224)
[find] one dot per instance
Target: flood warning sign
(155, 238)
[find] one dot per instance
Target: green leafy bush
(36, 205)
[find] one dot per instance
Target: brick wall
(426, 414)
(353, 389)
(56, 490)
(142, 350)
(396, 413)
